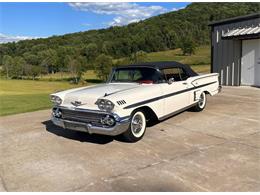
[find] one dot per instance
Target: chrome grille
(80, 116)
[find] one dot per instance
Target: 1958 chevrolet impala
(133, 96)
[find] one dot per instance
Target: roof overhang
(243, 33)
(235, 19)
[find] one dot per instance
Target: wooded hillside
(83, 50)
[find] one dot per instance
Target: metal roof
(254, 30)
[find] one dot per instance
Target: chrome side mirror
(170, 81)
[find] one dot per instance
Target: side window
(137, 75)
(172, 73)
(122, 75)
(183, 75)
(177, 73)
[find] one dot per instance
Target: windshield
(139, 75)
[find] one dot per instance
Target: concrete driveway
(214, 150)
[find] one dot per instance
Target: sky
(19, 21)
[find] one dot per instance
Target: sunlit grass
(17, 96)
(66, 76)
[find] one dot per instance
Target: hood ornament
(76, 103)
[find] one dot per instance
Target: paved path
(214, 150)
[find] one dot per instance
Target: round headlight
(101, 104)
(56, 100)
(106, 105)
(109, 105)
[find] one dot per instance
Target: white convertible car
(133, 96)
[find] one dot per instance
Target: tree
(173, 40)
(32, 71)
(104, 64)
(7, 63)
(49, 60)
(76, 67)
(139, 56)
(28, 70)
(107, 47)
(35, 71)
(188, 46)
(31, 58)
(17, 68)
(90, 51)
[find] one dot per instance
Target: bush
(188, 46)
(104, 65)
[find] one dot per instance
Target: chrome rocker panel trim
(120, 127)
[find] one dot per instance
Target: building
(235, 50)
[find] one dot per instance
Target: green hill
(160, 33)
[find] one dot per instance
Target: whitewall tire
(201, 103)
(137, 127)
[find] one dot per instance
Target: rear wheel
(137, 127)
(201, 103)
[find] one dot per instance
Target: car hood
(89, 95)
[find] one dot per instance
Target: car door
(176, 93)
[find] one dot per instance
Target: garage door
(250, 63)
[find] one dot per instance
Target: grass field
(17, 96)
(89, 76)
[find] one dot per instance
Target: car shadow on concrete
(155, 122)
(80, 136)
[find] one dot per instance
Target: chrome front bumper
(120, 126)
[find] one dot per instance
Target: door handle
(185, 83)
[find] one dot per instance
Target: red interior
(146, 81)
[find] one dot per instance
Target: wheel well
(148, 112)
(207, 93)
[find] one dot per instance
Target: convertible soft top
(162, 65)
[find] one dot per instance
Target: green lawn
(88, 76)
(17, 96)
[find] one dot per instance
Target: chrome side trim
(206, 76)
(166, 96)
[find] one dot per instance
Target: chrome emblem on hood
(76, 103)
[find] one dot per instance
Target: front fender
(127, 102)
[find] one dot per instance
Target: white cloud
(176, 9)
(9, 38)
(124, 12)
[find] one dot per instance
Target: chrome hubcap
(137, 124)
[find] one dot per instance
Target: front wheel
(137, 127)
(201, 103)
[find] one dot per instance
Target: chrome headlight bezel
(56, 100)
(105, 105)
